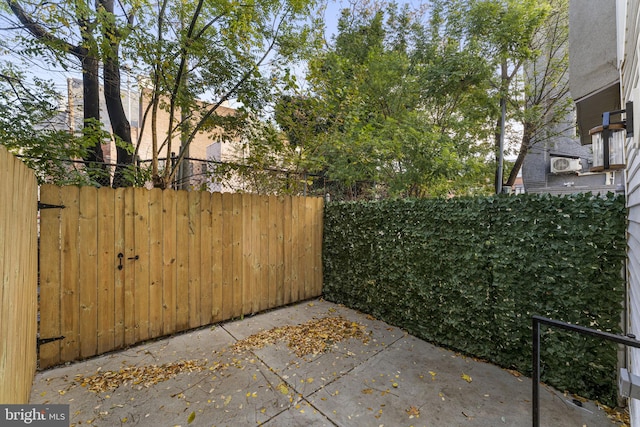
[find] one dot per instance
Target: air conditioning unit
(564, 165)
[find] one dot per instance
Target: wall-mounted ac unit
(564, 165)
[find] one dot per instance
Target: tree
(216, 51)
(30, 127)
(506, 30)
(402, 104)
(94, 37)
(547, 100)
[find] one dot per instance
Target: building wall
(197, 148)
(586, 77)
(629, 17)
(135, 106)
(589, 76)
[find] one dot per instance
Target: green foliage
(31, 125)
(468, 273)
(199, 55)
(393, 109)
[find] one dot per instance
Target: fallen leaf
(467, 378)
(367, 391)
(282, 388)
(514, 373)
(413, 411)
(192, 416)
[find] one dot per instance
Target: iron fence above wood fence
(122, 266)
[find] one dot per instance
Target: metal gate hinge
(48, 340)
(49, 206)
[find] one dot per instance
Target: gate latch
(121, 256)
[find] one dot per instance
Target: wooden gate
(118, 267)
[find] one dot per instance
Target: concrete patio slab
(393, 379)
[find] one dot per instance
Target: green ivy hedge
(468, 274)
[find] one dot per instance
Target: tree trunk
(525, 144)
(112, 94)
(97, 170)
(119, 122)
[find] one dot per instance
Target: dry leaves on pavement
(312, 337)
(137, 375)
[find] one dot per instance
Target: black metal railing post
(536, 322)
(536, 372)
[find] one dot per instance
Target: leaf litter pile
(312, 337)
(144, 376)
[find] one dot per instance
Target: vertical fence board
(169, 270)
(7, 316)
(238, 256)
(27, 237)
(271, 240)
(309, 236)
(29, 269)
(249, 239)
(205, 259)
(118, 274)
(155, 263)
(317, 228)
(296, 278)
(288, 248)
(141, 265)
(128, 268)
(262, 267)
(182, 260)
(279, 260)
(50, 260)
(7, 363)
(69, 303)
(228, 243)
(194, 259)
(216, 256)
(88, 272)
(106, 266)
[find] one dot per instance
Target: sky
(334, 7)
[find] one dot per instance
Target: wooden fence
(18, 278)
(118, 267)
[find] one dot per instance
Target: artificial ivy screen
(468, 274)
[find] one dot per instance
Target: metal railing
(537, 321)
